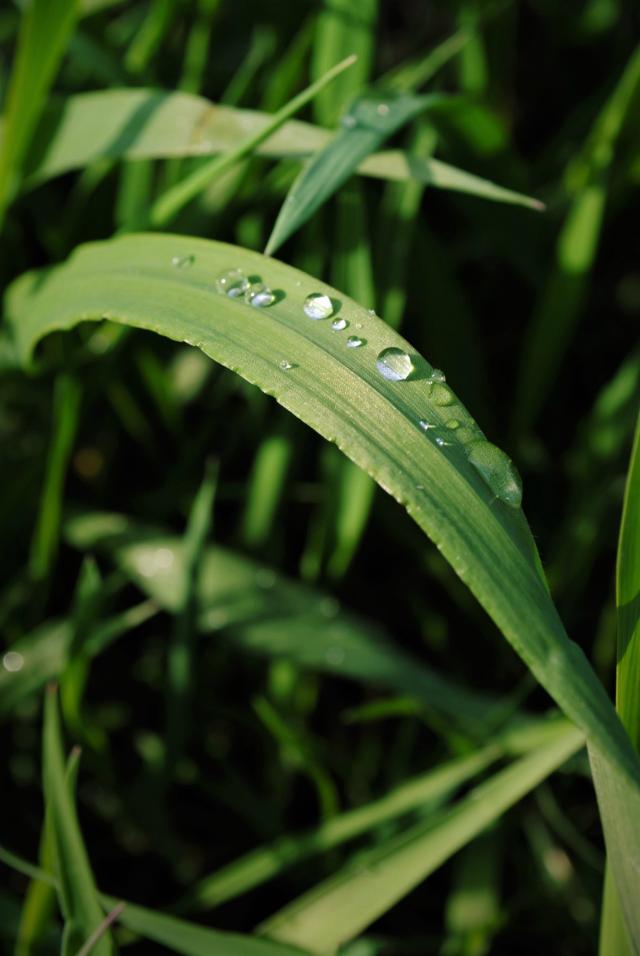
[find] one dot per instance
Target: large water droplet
(497, 469)
(339, 324)
(259, 295)
(183, 262)
(394, 364)
(13, 662)
(318, 306)
(442, 395)
(354, 342)
(233, 283)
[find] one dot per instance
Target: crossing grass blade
(340, 908)
(78, 895)
(338, 392)
(44, 31)
(371, 119)
(152, 124)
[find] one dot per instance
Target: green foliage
(293, 708)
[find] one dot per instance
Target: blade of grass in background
(180, 664)
(370, 120)
(341, 907)
(266, 487)
(151, 124)
(44, 33)
(169, 203)
(78, 894)
(342, 29)
(66, 412)
(177, 935)
(613, 938)
(375, 420)
(557, 312)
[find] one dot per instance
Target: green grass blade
(79, 900)
(150, 124)
(177, 935)
(266, 862)
(170, 202)
(44, 31)
(371, 119)
(180, 665)
(342, 29)
(263, 612)
(341, 907)
(66, 412)
(613, 936)
(266, 487)
(558, 310)
(339, 392)
(418, 71)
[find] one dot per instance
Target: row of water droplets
(395, 365)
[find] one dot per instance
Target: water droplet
(265, 578)
(183, 262)
(348, 121)
(335, 656)
(382, 109)
(497, 469)
(442, 443)
(233, 283)
(441, 395)
(425, 425)
(318, 306)
(354, 342)
(259, 295)
(437, 375)
(371, 311)
(394, 364)
(453, 423)
(339, 324)
(358, 325)
(286, 365)
(13, 662)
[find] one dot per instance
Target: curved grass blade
(342, 28)
(341, 907)
(78, 894)
(370, 120)
(339, 392)
(151, 124)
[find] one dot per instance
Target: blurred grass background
(533, 316)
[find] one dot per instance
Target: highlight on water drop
(259, 295)
(318, 306)
(233, 283)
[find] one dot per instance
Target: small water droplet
(13, 662)
(335, 656)
(394, 364)
(286, 365)
(183, 262)
(358, 325)
(318, 306)
(339, 324)
(453, 423)
(354, 342)
(348, 121)
(437, 375)
(498, 471)
(259, 295)
(233, 283)
(265, 578)
(371, 311)
(425, 425)
(442, 443)
(382, 109)
(441, 395)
